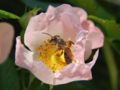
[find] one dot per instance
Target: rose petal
(6, 40)
(95, 35)
(82, 14)
(76, 71)
(80, 45)
(51, 13)
(70, 18)
(88, 49)
(81, 72)
(26, 59)
(37, 38)
(64, 8)
(91, 64)
(23, 57)
(78, 12)
(71, 26)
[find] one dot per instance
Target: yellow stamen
(51, 56)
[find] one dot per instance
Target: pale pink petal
(91, 64)
(81, 72)
(71, 25)
(95, 35)
(34, 36)
(82, 14)
(88, 49)
(26, 59)
(77, 12)
(6, 40)
(80, 45)
(23, 57)
(51, 13)
(70, 20)
(84, 74)
(76, 72)
(64, 8)
(42, 73)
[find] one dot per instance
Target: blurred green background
(106, 72)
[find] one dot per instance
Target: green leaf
(37, 85)
(110, 61)
(116, 47)
(82, 85)
(8, 15)
(117, 2)
(26, 17)
(109, 27)
(38, 3)
(8, 76)
(92, 8)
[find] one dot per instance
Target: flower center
(55, 54)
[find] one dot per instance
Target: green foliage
(8, 76)
(8, 15)
(37, 85)
(39, 4)
(110, 61)
(117, 2)
(109, 27)
(111, 31)
(26, 17)
(92, 8)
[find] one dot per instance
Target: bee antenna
(47, 34)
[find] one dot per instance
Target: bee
(68, 53)
(63, 46)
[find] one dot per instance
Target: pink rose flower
(6, 38)
(60, 41)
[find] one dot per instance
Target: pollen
(51, 56)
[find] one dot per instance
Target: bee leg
(69, 43)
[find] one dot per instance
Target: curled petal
(51, 13)
(6, 40)
(23, 57)
(26, 59)
(76, 71)
(77, 12)
(80, 45)
(91, 64)
(82, 72)
(81, 13)
(73, 72)
(95, 35)
(88, 49)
